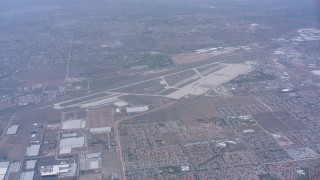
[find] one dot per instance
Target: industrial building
(74, 124)
(12, 130)
(4, 169)
(29, 175)
(54, 170)
(131, 110)
(31, 164)
(68, 135)
(33, 150)
(67, 144)
(100, 130)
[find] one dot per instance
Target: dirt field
(90, 176)
(109, 162)
(99, 118)
(239, 100)
(13, 147)
(186, 111)
(280, 121)
(126, 142)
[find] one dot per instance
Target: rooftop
(67, 143)
(27, 175)
(31, 164)
(68, 135)
(13, 129)
(54, 169)
(100, 130)
(73, 124)
(33, 150)
(137, 109)
(3, 169)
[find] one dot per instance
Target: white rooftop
(33, 150)
(27, 175)
(67, 143)
(3, 169)
(73, 124)
(100, 130)
(137, 109)
(68, 135)
(50, 170)
(31, 164)
(13, 129)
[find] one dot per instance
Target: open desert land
(101, 117)
(180, 111)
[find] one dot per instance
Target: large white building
(12, 130)
(131, 110)
(33, 150)
(67, 144)
(100, 130)
(54, 170)
(3, 169)
(73, 124)
(29, 175)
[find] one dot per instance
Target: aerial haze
(167, 89)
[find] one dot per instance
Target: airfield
(130, 90)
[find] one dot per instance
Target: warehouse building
(100, 130)
(132, 110)
(67, 144)
(54, 170)
(29, 175)
(4, 169)
(33, 150)
(12, 130)
(31, 164)
(73, 124)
